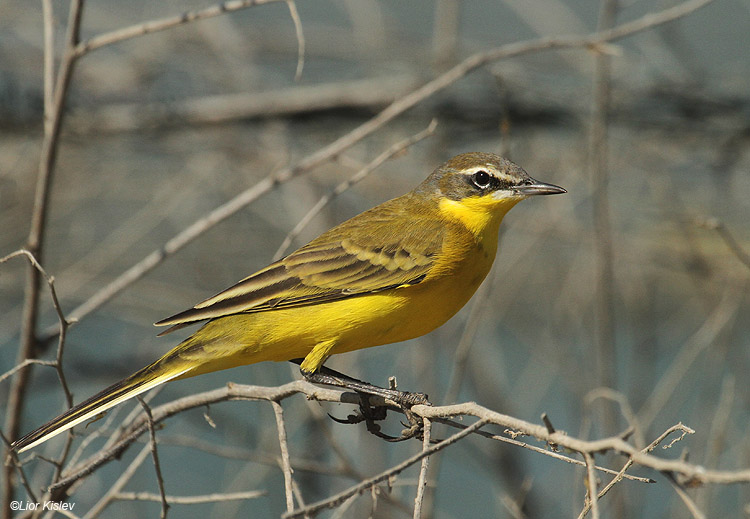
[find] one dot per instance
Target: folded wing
(334, 266)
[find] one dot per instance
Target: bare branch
(300, 38)
(149, 27)
(35, 239)
(191, 500)
(286, 467)
(116, 489)
(423, 470)
(591, 484)
(155, 456)
(334, 501)
(348, 183)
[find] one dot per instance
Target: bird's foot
(371, 413)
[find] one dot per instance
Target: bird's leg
(369, 413)
(330, 377)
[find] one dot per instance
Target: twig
(155, 456)
(423, 469)
(115, 489)
(689, 472)
(593, 496)
(35, 239)
(191, 500)
(286, 467)
(354, 179)
(339, 498)
(300, 38)
(162, 24)
(543, 451)
(27, 362)
(57, 363)
(686, 499)
(48, 16)
(620, 475)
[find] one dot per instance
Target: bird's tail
(143, 380)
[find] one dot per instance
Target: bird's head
(480, 188)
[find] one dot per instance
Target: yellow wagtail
(392, 273)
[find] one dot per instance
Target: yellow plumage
(392, 273)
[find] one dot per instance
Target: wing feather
(350, 260)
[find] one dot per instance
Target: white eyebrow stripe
(492, 170)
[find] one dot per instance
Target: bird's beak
(538, 188)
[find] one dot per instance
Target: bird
(392, 273)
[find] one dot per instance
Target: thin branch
(48, 16)
(35, 239)
(542, 451)
(286, 467)
(300, 38)
(423, 469)
(690, 473)
(57, 363)
(348, 183)
(686, 499)
(116, 489)
(27, 362)
(155, 456)
(191, 500)
(339, 498)
(593, 496)
(162, 24)
(620, 475)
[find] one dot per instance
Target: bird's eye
(481, 179)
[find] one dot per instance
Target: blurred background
(634, 280)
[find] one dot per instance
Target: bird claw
(370, 414)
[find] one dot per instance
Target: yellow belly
(314, 332)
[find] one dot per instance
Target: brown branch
(191, 500)
(300, 38)
(620, 475)
(35, 239)
(155, 456)
(687, 472)
(423, 469)
(57, 363)
(286, 467)
(542, 451)
(116, 488)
